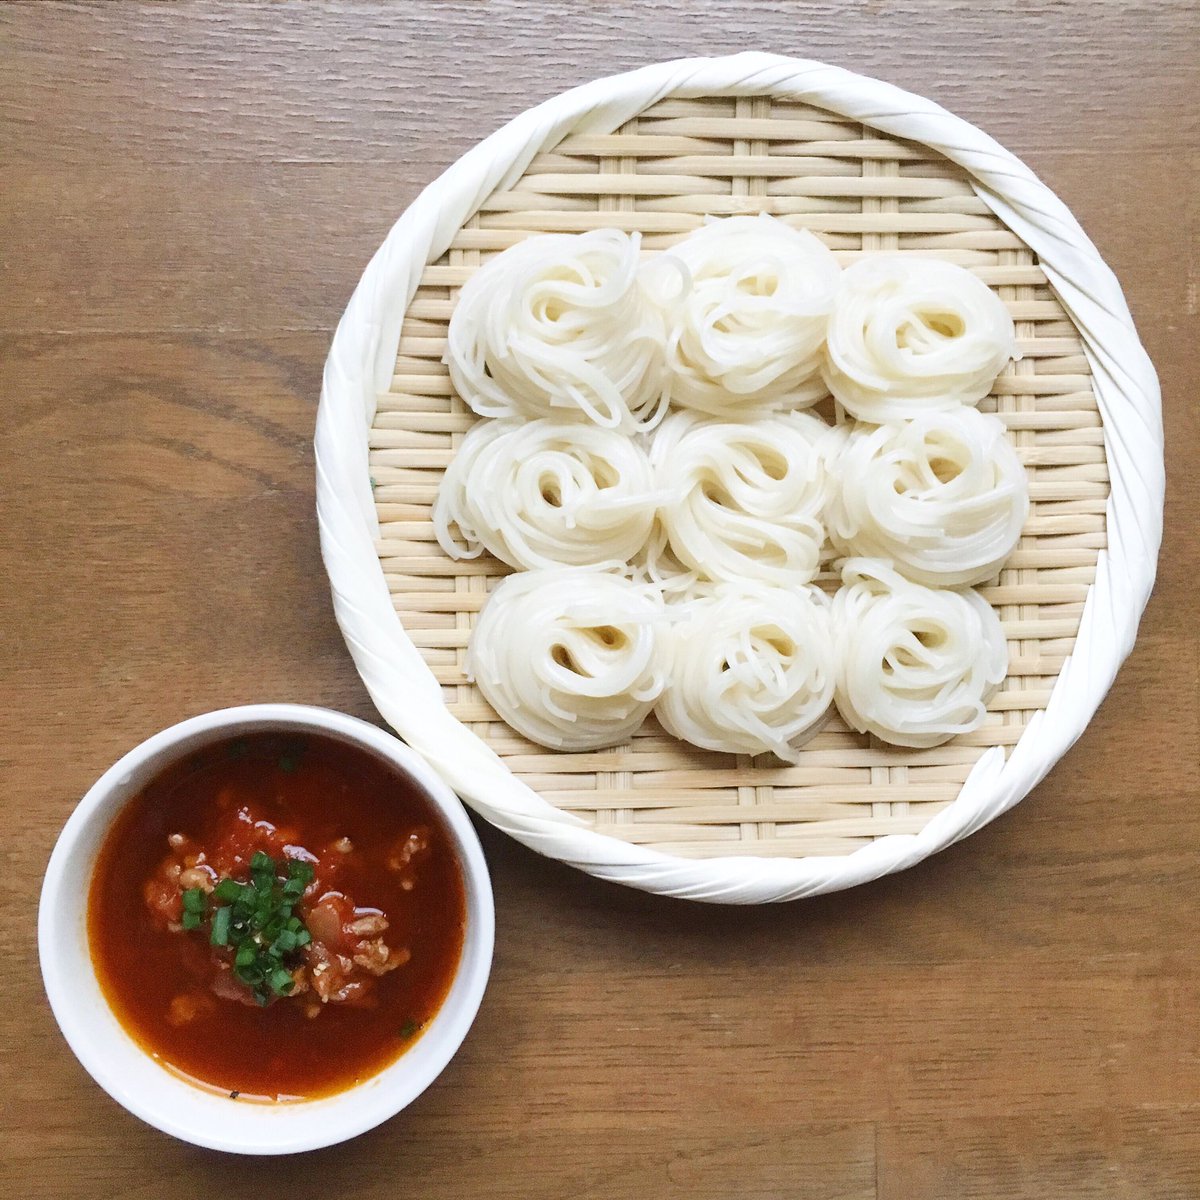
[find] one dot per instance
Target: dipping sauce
(277, 916)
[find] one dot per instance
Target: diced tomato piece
(163, 898)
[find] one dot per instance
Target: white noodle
(656, 564)
(569, 657)
(721, 510)
(561, 325)
(546, 493)
(750, 669)
(743, 501)
(915, 665)
(944, 496)
(750, 329)
(911, 334)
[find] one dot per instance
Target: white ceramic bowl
(149, 1090)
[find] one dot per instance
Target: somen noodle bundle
(944, 496)
(561, 325)
(750, 668)
(751, 325)
(911, 334)
(915, 665)
(569, 657)
(546, 493)
(743, 500)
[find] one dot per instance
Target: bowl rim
(360, 364)
(189, 1111)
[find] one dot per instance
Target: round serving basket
(865, 166)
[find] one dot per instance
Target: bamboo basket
(865, 167)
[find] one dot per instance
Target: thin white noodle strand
(750, 329)
(750, 669)
(561, 325)
(743, 500)
(911, 334)
(915, 665)
(569, 657)
(546, 493)
(943, 496)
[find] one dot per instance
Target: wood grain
(187, 196)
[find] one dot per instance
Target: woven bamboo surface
(859, 190)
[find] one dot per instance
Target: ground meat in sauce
(349, 950)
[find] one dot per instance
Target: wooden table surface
(187, 197)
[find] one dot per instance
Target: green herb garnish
(221, 923)
(195, 908)
(409, 1028)
(256, 921)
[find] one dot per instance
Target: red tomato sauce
(385, 912)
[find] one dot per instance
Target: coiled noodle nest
(916, 665)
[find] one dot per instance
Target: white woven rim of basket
(360, 366)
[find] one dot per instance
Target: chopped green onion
(257, 921)
(284, 943)
(221, 921)
(227, 891)
(253, 974)
(301, 870)
(281, 981)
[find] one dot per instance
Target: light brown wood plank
(1104, 1154)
